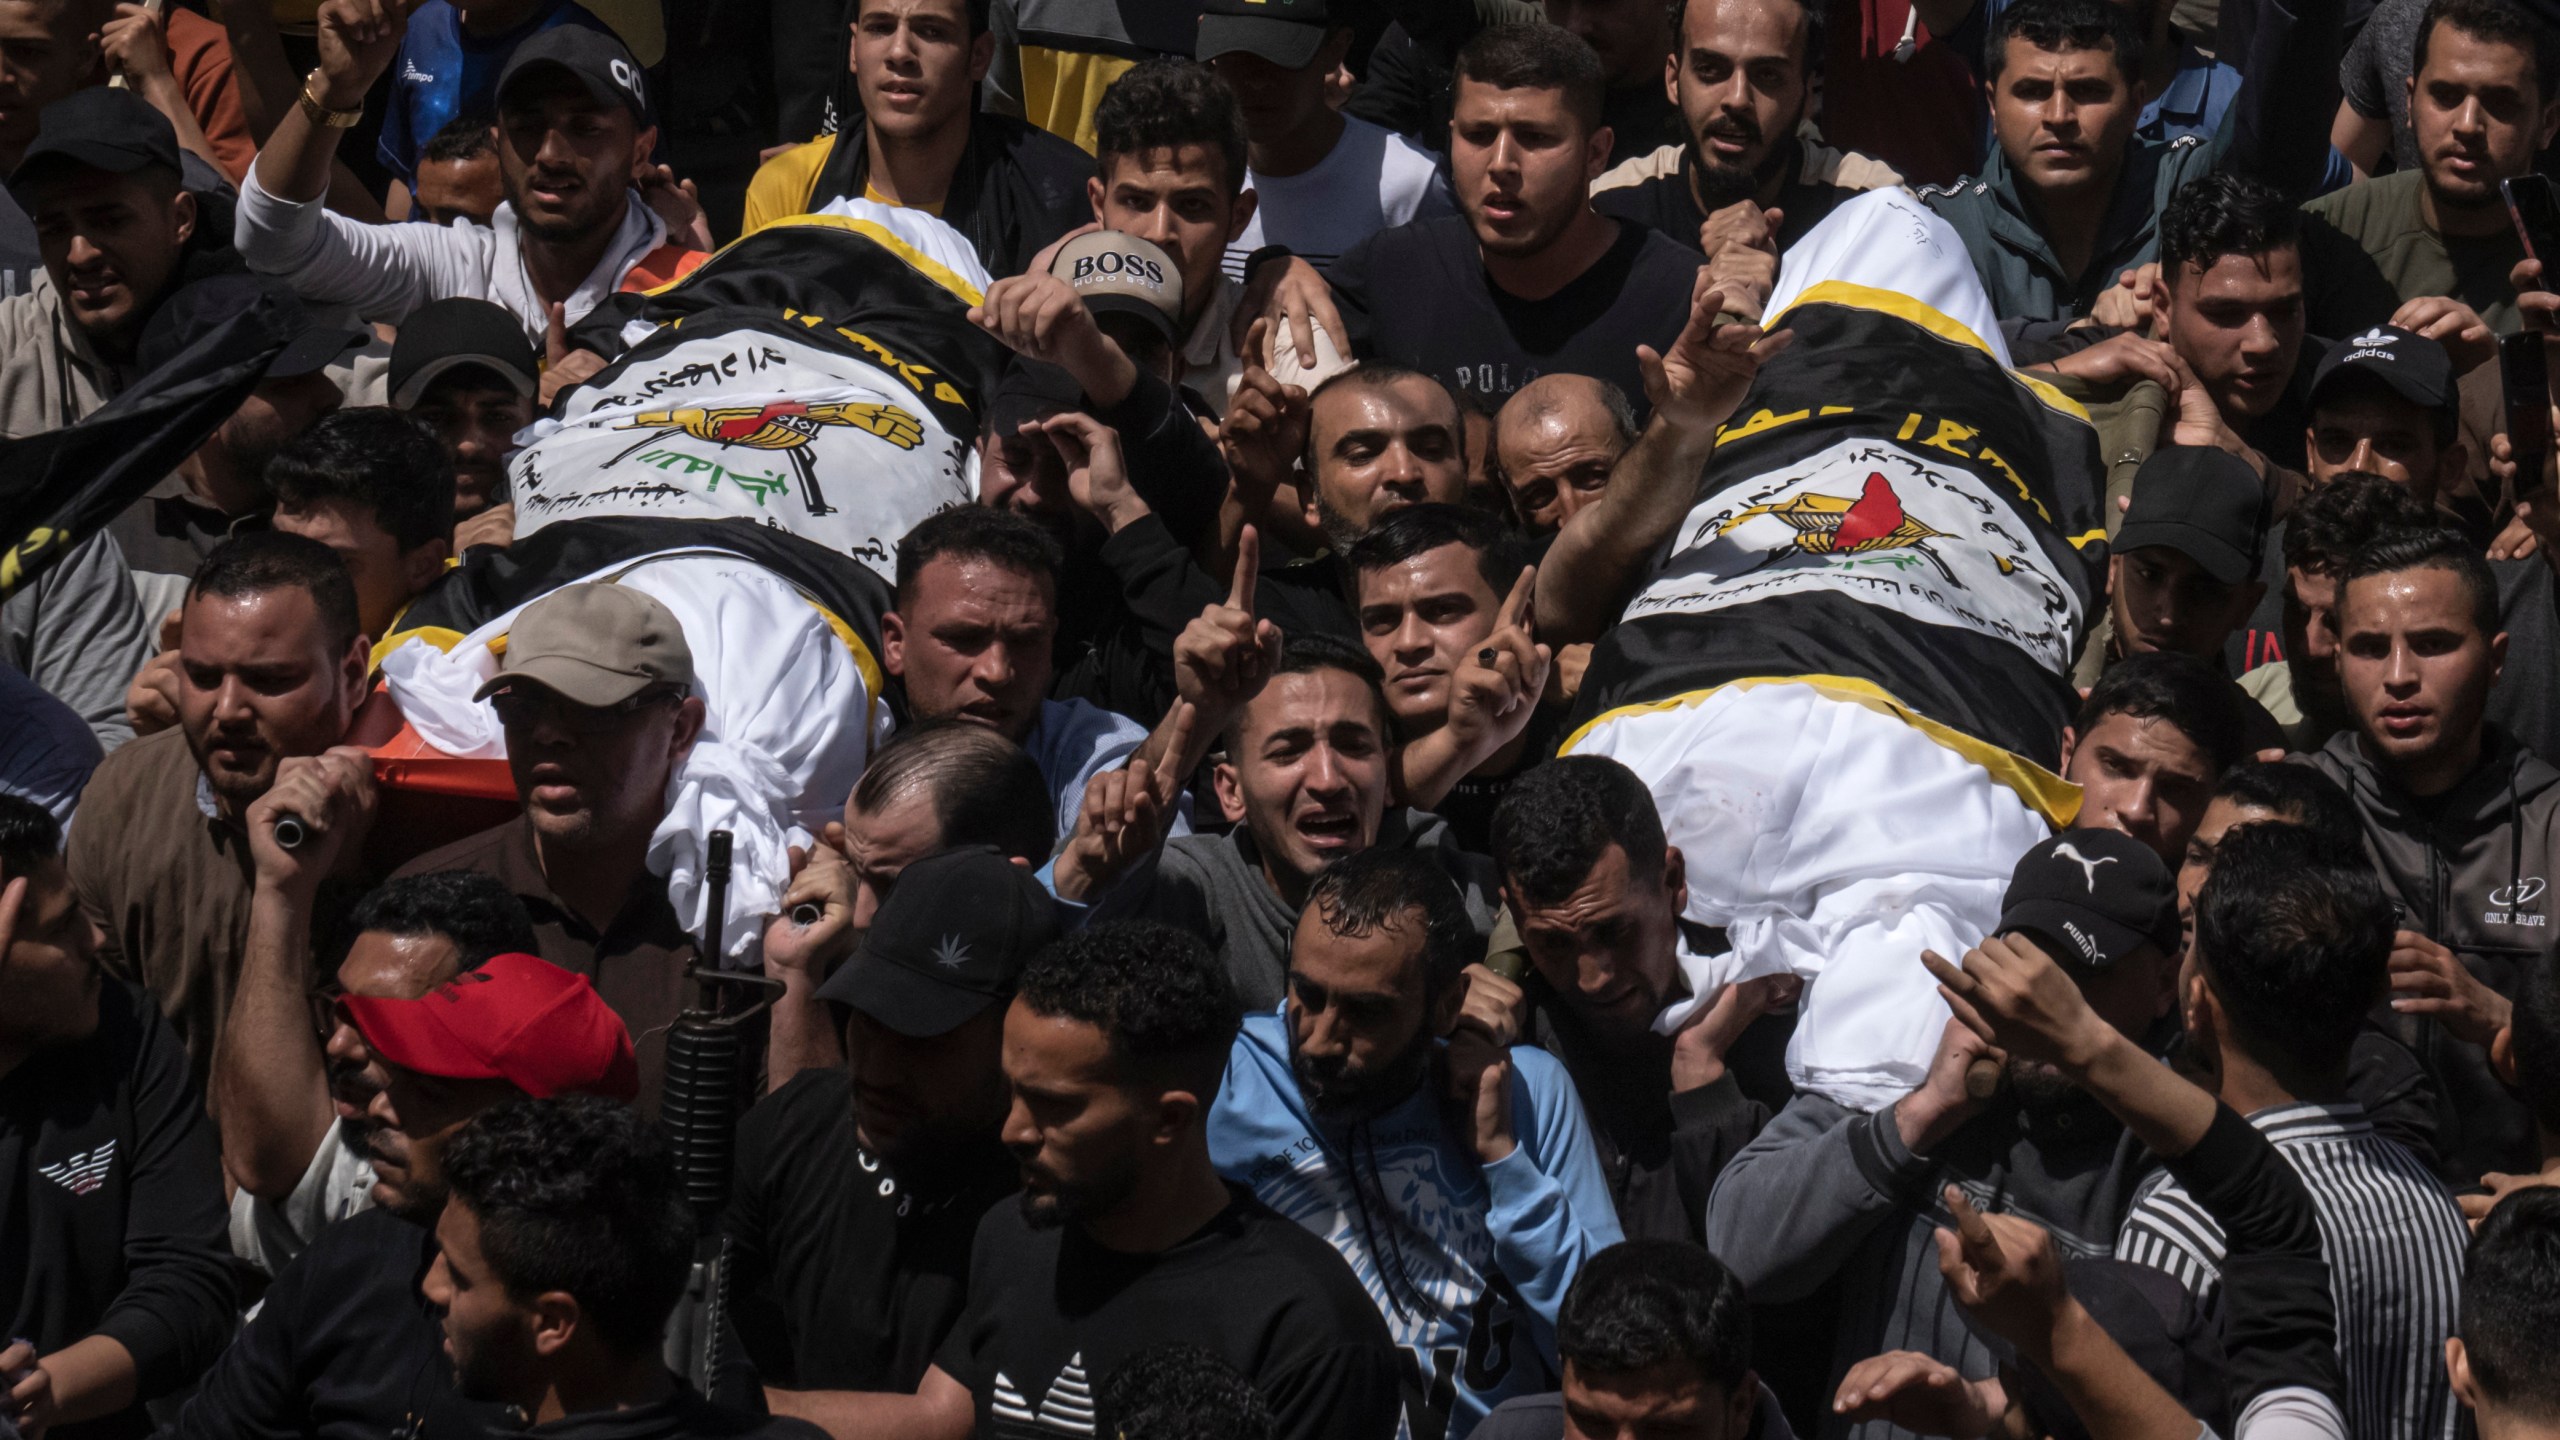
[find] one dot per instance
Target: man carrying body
(1333, 1106)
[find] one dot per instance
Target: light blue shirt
(1072, 742)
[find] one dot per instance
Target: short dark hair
(263, 560)
(1538, 57)
(2502, 22)
(1164, 1002)
(1165, 104)
(377, 458)
(2296, 946)
(29, 836)
(1420, 529)
(978, 532)
(2304, 797)
(1361, 893)
(2430, 548)
(466, 136)
(2335, 520)
(2511, 1304)
(1643, 1303)
(472, 908)
(984, 789)
(1816, 30)
(579, 1194)
(2536, 1038)
(2063, 25)
(1309, 653)
(1179, 1392)
(2185, 691)
(1559, 818)
(2225, 214)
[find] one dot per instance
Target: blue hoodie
(1468, 1263)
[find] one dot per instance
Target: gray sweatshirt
(1830, 1197)
(79, 632)
(1212, 886)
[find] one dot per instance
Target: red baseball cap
(518, 1018)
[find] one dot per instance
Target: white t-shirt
(1374, 178)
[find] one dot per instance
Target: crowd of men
(1235, 1000)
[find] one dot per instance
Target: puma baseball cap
(2098, 894)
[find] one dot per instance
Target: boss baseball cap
(2203, 502)
(2099, 894)
(518, 1018)
(1116, 274)
(1285, 32)
(594, 645)
(602, 65)
(950, 941)
(454, 333)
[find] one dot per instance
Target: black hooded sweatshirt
(2470, 869)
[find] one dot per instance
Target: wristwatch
(321, 115)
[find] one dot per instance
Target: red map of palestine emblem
(1830, 525)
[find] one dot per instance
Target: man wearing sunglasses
(595, 696)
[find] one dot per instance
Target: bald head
(1557, 439)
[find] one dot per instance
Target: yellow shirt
(784, 185)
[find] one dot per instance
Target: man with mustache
(293, 1079)
(271, 667)
(344, 1345)
(1384, 1108)
(1832, 1197)
(574, 125)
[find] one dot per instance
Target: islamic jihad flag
(1893, 516)
(820, 376)
(60, 487)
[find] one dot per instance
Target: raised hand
(564, 367)
(332, 795)
(357, 39)
(1699, 383)
(819, 877)
(1265, 429)
(1222, 659)
(1126, 814)
(676, 202)
(1097, 475)
(134, 45)
(2012, 995)
(1493, 692)
(2004, 1270)
(1300, 301)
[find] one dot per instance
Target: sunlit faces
(2141, 775)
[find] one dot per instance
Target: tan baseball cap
(594, 645)
(1121, 274)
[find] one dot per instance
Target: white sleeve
(2291, 1412)
(382, 271)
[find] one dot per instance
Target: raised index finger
(1169, 766)
(1515, 606)
(1248, 569)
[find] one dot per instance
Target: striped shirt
(2394, 1242)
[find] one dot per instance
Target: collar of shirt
(1207, 346)
(2186, 103)
(511, 286)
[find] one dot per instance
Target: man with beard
(110, 1185)
(860, 1188)
(1528, 278)
(565, 1243)
(1384, 1109)
(271, 666)
(344, 1345)
(1743, 75)
(1833, 1197)
(1126, 1238)
(573, 123)
(464, 367)
(292, 1080)
(595, 697)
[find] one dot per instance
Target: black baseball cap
(450, 334)
(1031, 390)
(602, 65)
(2409, 365)
(1285, 32)
(2099, 894)
(950, 941)
(196, 310)
(2203, 502)
(105, 129)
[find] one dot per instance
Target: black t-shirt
(842, 1278)
(1418, 294)
(1469, 805)
(1668, 204)
(1052, 1314)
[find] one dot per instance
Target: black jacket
(681, 1416)
(111, 1213)
(2471, 870)
(1017, 186)
(345, 1348)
